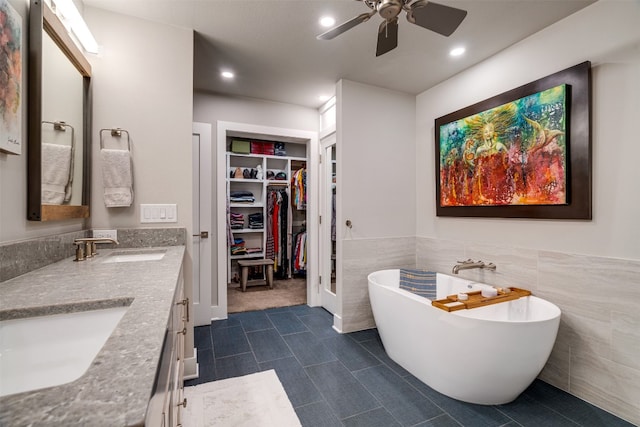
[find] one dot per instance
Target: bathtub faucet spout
(469, 264)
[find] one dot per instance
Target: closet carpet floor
(339, 380)
(285, 293)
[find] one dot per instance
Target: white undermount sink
(45, 351)
(135, 256)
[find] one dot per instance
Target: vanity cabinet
(168, 398)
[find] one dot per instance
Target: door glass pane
(330, 188)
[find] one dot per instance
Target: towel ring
(115, 133)
(61, 127)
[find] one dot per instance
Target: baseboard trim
(337, 323)
(191, 367)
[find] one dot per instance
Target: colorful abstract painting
(513, 154)
(10, 79)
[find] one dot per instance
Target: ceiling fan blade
(387, 36)
(336, 31)
(435, 17)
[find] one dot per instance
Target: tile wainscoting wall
(361, 257)
(596, 353)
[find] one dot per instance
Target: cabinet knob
(183, 403)
(183, 331)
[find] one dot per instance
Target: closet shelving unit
(257, 238)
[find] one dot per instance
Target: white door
(202, 231)
(328, 256)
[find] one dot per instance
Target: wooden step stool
(244, 275)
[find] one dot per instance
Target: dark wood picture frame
(578, 149)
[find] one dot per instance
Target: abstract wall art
(524, 153)
(11, 60)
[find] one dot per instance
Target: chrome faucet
(469, 264)
(86, 246)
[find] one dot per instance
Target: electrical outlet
(106, 234)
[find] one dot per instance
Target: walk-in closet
(266, 196)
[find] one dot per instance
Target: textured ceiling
(271, 45)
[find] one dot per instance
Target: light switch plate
(158, 213)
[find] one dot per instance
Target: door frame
(226, 129)
(328, 299)
(202, 202)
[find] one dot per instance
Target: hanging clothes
(277, 235)
(300, 253)
(299, 189)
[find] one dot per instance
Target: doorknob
(203, 234)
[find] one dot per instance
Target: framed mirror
(59, 146)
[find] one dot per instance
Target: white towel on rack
(117, 177)
(56, 168)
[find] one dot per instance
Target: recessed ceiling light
(227, 74)
(327, 21)
(324, 98)
(457, 51)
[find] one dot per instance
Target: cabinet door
(180, 318)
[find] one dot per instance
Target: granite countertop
(116, 389)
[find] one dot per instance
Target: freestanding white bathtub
(486, 355)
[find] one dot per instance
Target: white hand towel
(56, 168)
(117, 177)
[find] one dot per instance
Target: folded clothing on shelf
(256, 220)
(236, 220)
(238, 246)
(241, 197)
(279, 149)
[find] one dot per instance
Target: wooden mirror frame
(42, 18)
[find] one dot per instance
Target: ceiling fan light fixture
(227, 75)
(327, 21)
(436, 17)
(457, 51)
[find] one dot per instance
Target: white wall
(376, 170)
(606, 33)
(142, 82)
(209, 107)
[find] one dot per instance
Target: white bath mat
(256, 400)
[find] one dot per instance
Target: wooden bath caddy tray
(451, 302)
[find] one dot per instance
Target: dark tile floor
(348, 380)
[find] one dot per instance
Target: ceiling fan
(432, 16)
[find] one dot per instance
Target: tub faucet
(469, 264)
(86, 246)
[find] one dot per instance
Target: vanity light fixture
(70, 16)
(327, 21)
(457, 51)
(227, 74)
